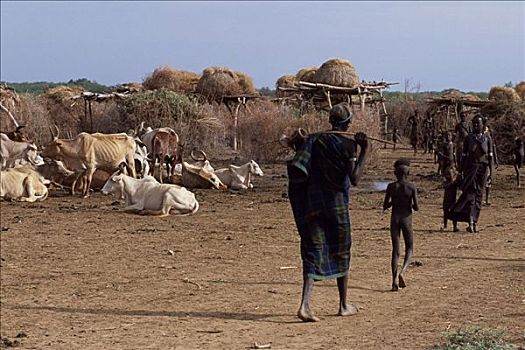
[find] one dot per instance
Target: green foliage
(266, 91)
(159, 108)
(475, 338)
(40, 87)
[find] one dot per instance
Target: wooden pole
(90, 116)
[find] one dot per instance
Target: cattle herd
(144, 167)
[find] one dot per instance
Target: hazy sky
(470, 46)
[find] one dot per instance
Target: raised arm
(356, 170)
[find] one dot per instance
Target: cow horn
(192, 155)
(53, 136)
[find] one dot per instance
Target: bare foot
(307, 316)
(348, 311)
(395, 288)
(402, 283)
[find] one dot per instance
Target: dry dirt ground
(80, 274)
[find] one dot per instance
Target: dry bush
(128, 87)
(503, 94)
(261, 127)
(337, 72)
(171, 79)
(217, 82)
(63, 110)
(520, 90)
(507, 121)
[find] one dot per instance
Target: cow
(141, 158)
(11, 151)
(239, 177)
(146, 196)
(197, 175)
(163, 146)
(92, 152)
(23, 184)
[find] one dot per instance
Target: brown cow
(163, 146)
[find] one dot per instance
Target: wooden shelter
(446, 108)
(324, 96)
(90, 97)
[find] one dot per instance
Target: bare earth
(80, 274)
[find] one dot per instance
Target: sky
(423, 46)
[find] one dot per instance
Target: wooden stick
(10, 115)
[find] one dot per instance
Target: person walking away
(319, 176)
(402, 197)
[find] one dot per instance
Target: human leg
(406, 228)
(305, 313)
(344, 308)
(394, 235)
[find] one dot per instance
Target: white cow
(23, 184)
(239, 177)
(13, 152)
(149, 197)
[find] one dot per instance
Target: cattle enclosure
(80, 274)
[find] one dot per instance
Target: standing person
(402, 197)
(450, 191)
(395, 136)
(462, 129)
(447, 154)
(519, 156)
(413, 122)
(475, 167)
(319, 179)
(488, 183)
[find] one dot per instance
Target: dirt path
(80, 274)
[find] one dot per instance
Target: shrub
(475, 338)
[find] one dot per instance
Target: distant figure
(413, 122)
(447, 154)
(428, 133)
(450, 190)
(519, 156)
(488, 183)
(461, 130)
(395, 137)
(475, 168)
(402, 197)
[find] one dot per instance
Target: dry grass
(306, 74)
(520, 90)
(217, 82)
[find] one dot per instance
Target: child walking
(450, 191)
(402, 197)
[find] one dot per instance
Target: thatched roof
(171, 79)
(337, 72)
(503, 94)
(520, 90)
(217, 82)
(460, 96)
(306, 74)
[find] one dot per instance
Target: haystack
(460, 96)
(503, 94)
(62, 94)
(337, 72)
(130, 87)
(306, 74)
(217, 82)
(171, 79)
(520, 90)
(286, 81)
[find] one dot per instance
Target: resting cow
(23, 184)
(149, 197)
(239, 177)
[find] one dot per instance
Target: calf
(23, 184)
(149, 197)
(239, 177)
(17, 134)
